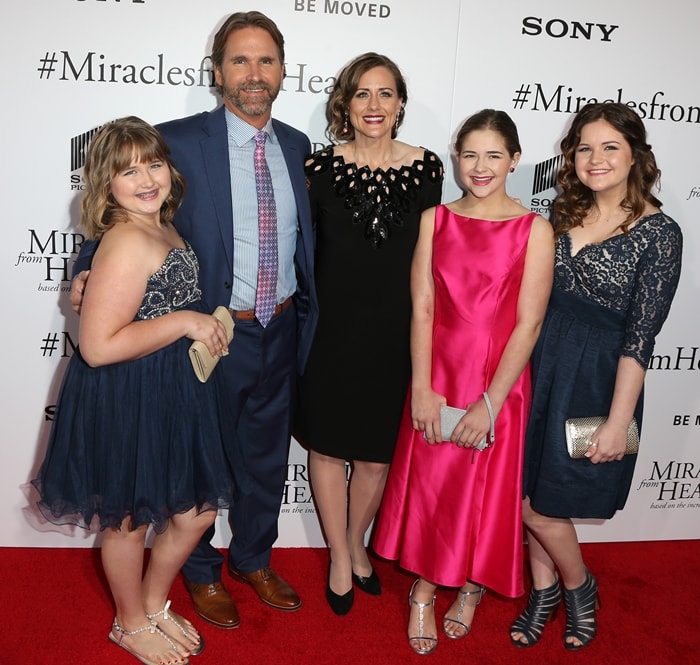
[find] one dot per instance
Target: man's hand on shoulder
(77, 290)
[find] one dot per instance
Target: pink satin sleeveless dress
(450, 514)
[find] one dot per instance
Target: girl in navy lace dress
(137, 440)
(617, 265)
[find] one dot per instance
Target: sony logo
(558, 28)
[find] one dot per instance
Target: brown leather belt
(249, 314)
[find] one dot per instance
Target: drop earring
(398, 119)
(346, 128)
(512, 169)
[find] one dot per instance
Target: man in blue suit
(219, 217)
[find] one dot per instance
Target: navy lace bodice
(636, 273)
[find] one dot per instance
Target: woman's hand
(425, 413)
(609, 443)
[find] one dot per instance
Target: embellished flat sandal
(581, 606)
(168, 616)
(541, 607)
(420, 636)
(462, 595)
(118, 633)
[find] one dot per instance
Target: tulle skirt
(141, 439)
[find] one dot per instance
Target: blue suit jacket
(199, 150)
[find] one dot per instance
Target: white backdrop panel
(85, 62)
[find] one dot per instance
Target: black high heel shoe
(370, 585)
(341, 605)
(581, 606)
(541, 607)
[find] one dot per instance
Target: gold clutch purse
(580, 430)
(203, 362)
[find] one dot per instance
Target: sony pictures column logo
(543, 184)
(78, 148)
(49, 252)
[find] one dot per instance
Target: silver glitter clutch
(580, 430)
(450, 416)
(203, 363)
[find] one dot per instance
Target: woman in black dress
(617, 265)
(367, 193)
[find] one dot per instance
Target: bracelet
(492, 432)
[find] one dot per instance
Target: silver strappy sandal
(463, 595)
(433, 640)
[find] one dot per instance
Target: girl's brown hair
(115, 146)
(572, 206)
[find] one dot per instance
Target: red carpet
(56, 609)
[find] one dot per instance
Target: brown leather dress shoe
(214, 604)
(270, 587)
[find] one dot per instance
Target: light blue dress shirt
(241, 148)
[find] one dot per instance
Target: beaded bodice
(173, 286)
(378, 199)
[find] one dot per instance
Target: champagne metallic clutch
(580, 430)
(203, 362)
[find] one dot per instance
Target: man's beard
(260, 106)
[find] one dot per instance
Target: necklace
(616, 218)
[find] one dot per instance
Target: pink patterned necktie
(266, 295)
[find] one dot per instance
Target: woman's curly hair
(346, 84)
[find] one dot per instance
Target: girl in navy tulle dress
(137, 439)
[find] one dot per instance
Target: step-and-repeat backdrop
(72, 65)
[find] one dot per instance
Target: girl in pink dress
(480, 282)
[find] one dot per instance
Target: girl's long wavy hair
(115, 146)
(575, 200)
